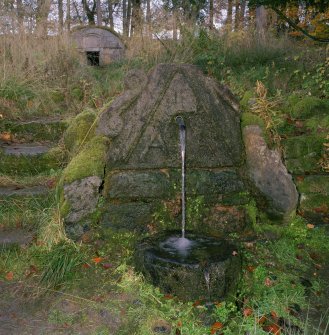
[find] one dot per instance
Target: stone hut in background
(100, 45)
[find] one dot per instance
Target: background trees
(167, 18)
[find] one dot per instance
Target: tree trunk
(68, 15)
(60, 16)
(229, 12)
(242, 13)
(148, 17)
(110, 7)
(211, 14)
(136, 18)
(99, 12)
(20, 16)
(43, 9)
(129, 18)
(174, 29)
(237, 15)
(261, 22)
(90, 12)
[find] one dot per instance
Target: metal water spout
(182, 136)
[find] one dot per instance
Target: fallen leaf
(6, 136)
(51, 183)
(261, 320)
(274, 316)
(10, 275)
(168, 296)
(196, 303)
(106, 265)
(300, 178)
(216, 326)
(273, 329)
(179, 324)
(247, 312)
(97, 259)
(268, 282)
(250, 268)
(86, 266)
(310, 226)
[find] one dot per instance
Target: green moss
(80, 130)
(90, 161)
(245, 101)
(309, 106)
(248, 119)
(31, 165)
(34, 131)
(302, 146)
(312, 201)
(303, 165)
(318, 122)
(314, 184)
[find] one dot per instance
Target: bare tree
(43, 8)
(110, 9)
(60, 16)
(148, 17)
(68, 15)
(229, 12)
(90, 12)
(99, 12)
(211, 14)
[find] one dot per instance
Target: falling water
(182, 132)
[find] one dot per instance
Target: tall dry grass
(36, 74)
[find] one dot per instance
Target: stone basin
(196, 268)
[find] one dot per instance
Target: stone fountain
(186, 264)
(130, 171)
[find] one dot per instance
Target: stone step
(27, 191)
(26, 149)
(29, 158)
(14, 238)
(40, 129)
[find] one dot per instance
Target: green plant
(60, 264)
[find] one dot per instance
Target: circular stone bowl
(196, 268)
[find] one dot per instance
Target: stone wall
(141, 166)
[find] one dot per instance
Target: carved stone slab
(144, 131)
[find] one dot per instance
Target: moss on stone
(318, 122)
(248, 119)
(31, 165)
(90, 161)
(302, 165)
(314, 184)
(302, 146)
(314, 201)
(34, 131)
(308, 106)
(81, 129)
(246, 100)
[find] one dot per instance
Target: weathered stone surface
(208, 270)
(225, 219)
(29, 149)
(149, 136)
(26, 191)
(14, 238)
(81, 197)
(128, 216)
(163, 184)
(135, 185)
(99, 39)
(268, 173)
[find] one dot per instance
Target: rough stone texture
(143, 162)
(107, 43)
(269, 174)
(27, 191)
(208, 271)
(225, 219)
(14, 238)
(29, 149)
(128, 216)
(149, 136)
(81, 197)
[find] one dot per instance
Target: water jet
(184, 263)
